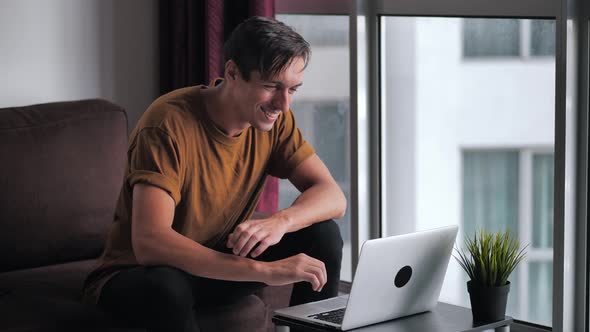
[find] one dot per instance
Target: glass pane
(491, 37)
(321, 108)
(541, 292)
(327, 35)
(490, 191)
(490, 200)
(456, 137)
(543, 38)
(543, 201)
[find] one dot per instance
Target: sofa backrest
(61, 170)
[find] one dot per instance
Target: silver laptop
(396, 276)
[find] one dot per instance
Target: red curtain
(192, 33)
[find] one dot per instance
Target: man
(197, 162)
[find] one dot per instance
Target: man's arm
(156, 243)
(321, 199)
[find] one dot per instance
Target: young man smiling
(197, 161)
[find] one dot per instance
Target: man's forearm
(167, 247)
(319, 202)
(172, 249)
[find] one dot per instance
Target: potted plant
(488, 259)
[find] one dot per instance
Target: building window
(491, 37)
(513, 189)
(483, 38)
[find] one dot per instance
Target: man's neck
(220, 107)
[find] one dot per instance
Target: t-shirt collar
(213, 129)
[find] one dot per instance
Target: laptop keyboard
(333, 316)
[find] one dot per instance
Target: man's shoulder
(173, 110)
(284, 123)
(172, 113)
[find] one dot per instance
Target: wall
(55, 50)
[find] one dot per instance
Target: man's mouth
(271, 115)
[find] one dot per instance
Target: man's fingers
(312, 266)
(234, 237)
(320, 275)
(316, 263)
(242, 240)
(325, 274)
(230, 241)
(249, 245)
(313, 280)
(239, 243)
(262, 246)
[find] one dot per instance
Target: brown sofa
(60, 173)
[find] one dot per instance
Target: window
(491, 37)
(427, 86)
(321, 108)
(508, 38)
(542, 36)
(461, 145)
(513, 189)
(332, 32)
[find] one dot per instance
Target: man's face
(264, 100)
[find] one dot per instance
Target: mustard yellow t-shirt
(214, 179)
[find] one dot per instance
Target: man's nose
(281, 100)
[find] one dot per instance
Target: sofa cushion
(247, 314)
(48, 299)
(61, 171)
(275, 297)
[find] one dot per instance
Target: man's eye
(292, 91)
(270, 87)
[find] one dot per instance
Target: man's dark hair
(265, 45)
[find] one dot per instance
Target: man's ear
(232, 72)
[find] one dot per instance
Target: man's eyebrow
(281, 84)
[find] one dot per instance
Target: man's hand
(295, 269)
(261, 232)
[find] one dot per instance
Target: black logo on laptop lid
(403, 276)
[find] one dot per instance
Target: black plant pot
(488, 304)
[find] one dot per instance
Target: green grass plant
(490, 257)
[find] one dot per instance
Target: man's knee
(157, 297)
(327, 236)
(329, 232)
(168, 287)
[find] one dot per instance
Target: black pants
(164, 298)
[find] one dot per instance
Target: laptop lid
(399, 276)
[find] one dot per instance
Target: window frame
(582, 154)
(571, 260)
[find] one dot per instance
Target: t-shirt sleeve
(154, 159)
(290, 148)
